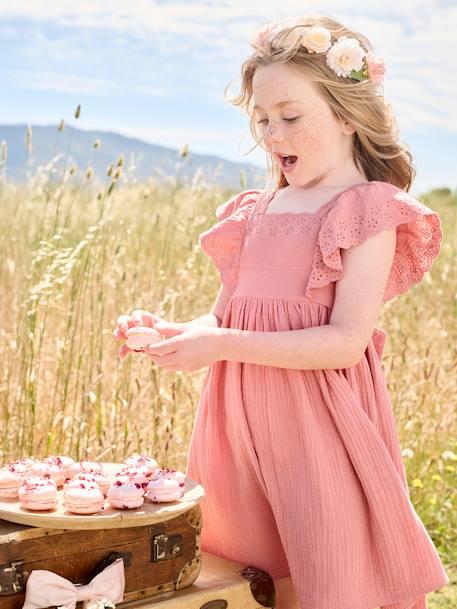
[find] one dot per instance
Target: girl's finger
(122, 319)
(118, 334)
(123, 322)
(168, 367)
(145, 318)
(124, 351)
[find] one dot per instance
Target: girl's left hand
(193, 349)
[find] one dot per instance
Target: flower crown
(345, 56)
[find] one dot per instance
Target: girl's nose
(273, 134)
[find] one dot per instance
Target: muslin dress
(302, 469)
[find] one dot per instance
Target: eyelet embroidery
(354, 220)
(278, 225)
(347, 223)
(224, 241)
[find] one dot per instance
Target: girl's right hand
(139, 317)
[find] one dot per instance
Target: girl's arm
(342, 342)
(209, 319)
(214, 318)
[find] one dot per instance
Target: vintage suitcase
(157, 557)
(159, 543)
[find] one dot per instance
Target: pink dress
(302, 469)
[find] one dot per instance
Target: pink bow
(45, 588)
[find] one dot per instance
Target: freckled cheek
(308, 139)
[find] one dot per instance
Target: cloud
(62, 83)
(197, 46)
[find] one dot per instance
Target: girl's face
(305, 127)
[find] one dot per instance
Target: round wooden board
(109, 518)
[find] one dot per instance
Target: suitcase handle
(108, 560)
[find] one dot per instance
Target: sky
(157, 69)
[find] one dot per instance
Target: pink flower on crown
(261, 36)
(376, 66)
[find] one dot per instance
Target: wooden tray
(109, 518)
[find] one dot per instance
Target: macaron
(63, 462)
(100, 479)
(170, 472)
(125, 494)
(83, 497)
(138, 475)
(166, 484)
(89, 467)
(48, 469)
(142, 461)
(26, 461)
(11, 479)
(139, 337)
(38, 494)
(163, 490)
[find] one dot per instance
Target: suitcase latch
(12, 578)
(165, 547)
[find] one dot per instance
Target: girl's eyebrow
(282, 103)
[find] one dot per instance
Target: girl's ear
(347, 127)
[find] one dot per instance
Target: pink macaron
(125, 494)
(38, 494)
(11, 478)
(170, 472)
(166, 485)
(83, 497)
(26, 462)
(138, 475)
(88, 467)
(100, 479)
(48, 469)
(139, 337)
(163, 490)
(142, 461)
(63, 462)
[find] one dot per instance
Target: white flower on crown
(345, 56)
(316, 39)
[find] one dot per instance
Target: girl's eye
(289, 120)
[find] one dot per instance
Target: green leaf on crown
(357, 74)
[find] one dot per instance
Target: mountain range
(21, 155)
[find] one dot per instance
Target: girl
(294, 439)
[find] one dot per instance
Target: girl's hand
(189, 350)
(139, 317)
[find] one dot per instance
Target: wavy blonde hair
(377, 151)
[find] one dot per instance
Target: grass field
(73, 258)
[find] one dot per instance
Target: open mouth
(286, 160)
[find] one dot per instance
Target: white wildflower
(448, 454)
(407, 452)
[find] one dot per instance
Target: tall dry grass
(73, 258)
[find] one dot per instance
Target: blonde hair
(377, 151)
